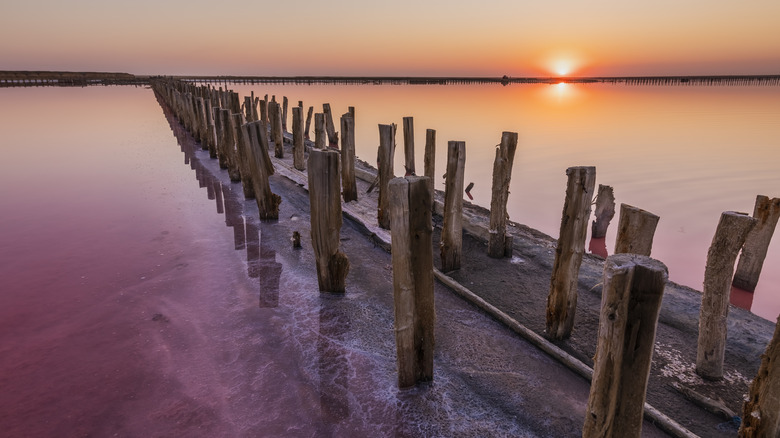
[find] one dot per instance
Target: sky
(399, 37)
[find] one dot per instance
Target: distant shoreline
(61, 78)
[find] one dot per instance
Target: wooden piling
(605, 211)
(348, 182)
(284, 113)
(264, 109)
(562, 300)
(319, 131)
(230, 146)
(766, 212)
(636, 229)
(248, 108)
(761, 411)
(429, 163)
(243, 145)
(298, 150)
(276, 130)
(308, 121)
(259, 163)
(409, 146)
(729, 237)
(630, 304)
(333, 137)
(324, 188)
(385, 163)
(413, 299)
(211, 133)
(219, 129)
(452, 230)
(499, 244)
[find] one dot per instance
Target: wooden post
(452, 230)
(348, 183)
(409, 146)
(308, 121)
(324, 188)
(761, 411)
(243, 144)
(259, 162)
(729, 237)
(248, 108)
(429, 163)
(562, 300)
(276, 130)
(211, 134)
(499, 244)
(333, 136)
(630, 304)
(230, 146)
(413, 299)
(767, 212)
(319, 131)
(636, 229)
(298, 152)
(605, 211)
(264, 109)
(284, 113)
(219, 130)
(385, 163)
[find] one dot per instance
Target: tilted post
(259, 161)
(230, 146)
(385, 163)
(729, 237)
(409, 146)
(636, 229)
(333, 137)
(630, 304)
(499, 244)
(298, 149)
(413, 299)
(605, 211)
(562, 300)
(325, 201)
(243, 145)
(767, 212)
(308, 121)
(348, 182)
(452, 230)
(761, 411)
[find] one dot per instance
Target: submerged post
(605, 211)
(562, 300)
(385, 163)
(499, 244)
(413, 298)
(766, 212)
(409, 146)
(348, 182)
(332, 264)
(732, 229)
(631, 301)
(429, 163)
(761, 411)
(297, 126)
(452, 230)
(636, 229)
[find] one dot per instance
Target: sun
(562, 67)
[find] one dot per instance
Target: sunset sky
(401, 37)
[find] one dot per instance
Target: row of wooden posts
(633, 282)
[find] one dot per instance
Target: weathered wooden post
(243, 145)
(319, 131)
(729, 237)
(562, 300)
(385, 164)
(636, 229)
(333, 137)
(298, 152)
(499, 244)
(284, 113)
(605, 211)
(452, 230)
(211, 133)
(230, 146)
(413, 300)
(325, 201)
(264, 109)
(248, 108)
(308, 121)
(276, 130)
(761, 411)
(429, 163)
(348, 183)
(766, 212)
(219, 133)
(630, 303)
(259, 161)
(409, 146)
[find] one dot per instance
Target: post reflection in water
(269, 271)
(252, 247)
(233, 215)
(333, 365)
(598, 247)
(217, 184)
(741, 298)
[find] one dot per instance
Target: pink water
(684, 153)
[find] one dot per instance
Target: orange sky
(352, 37)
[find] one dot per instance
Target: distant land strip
(61, 78)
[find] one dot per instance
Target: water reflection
(598, 247)
(741, 298)
(269, 270)
(234, 208)
(333, 365)
(252, 233)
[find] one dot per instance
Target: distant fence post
(348, 183)
(729, 237)
(499, 244)
(385, 158)
(297, 126)
(452, 230)
(412, 255)
(767, 212)
(562, 300)
(761, 411)
(333, 137)
(325, 201)
(259, 161)
(636, 229)
(631, 301)
(409, 146)
(605, 211)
